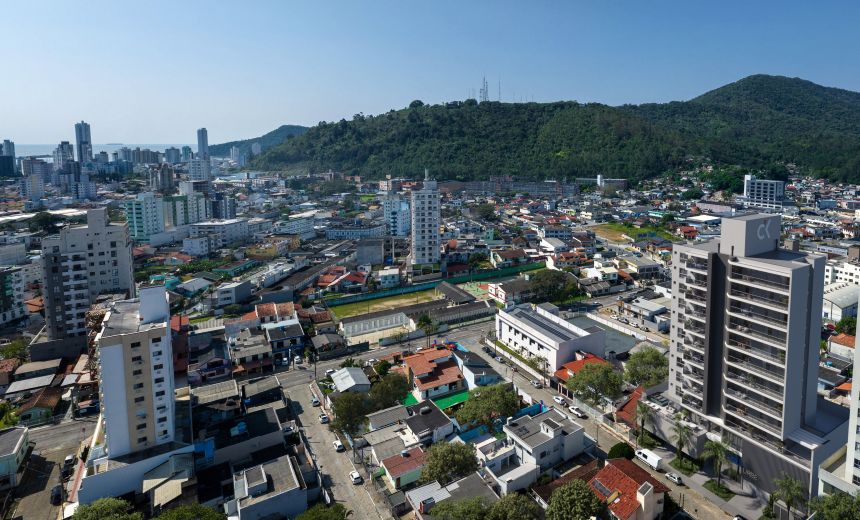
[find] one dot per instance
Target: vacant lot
(383, 304)
(614, 230)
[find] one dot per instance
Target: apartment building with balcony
(744, 350)
(79, 263)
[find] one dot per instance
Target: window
(135, 344)
(136, 359)
(159, 380)
(138, 386)
(162, 419)
(139, 399)
(156, 340)
(141, 426)
(160, 393)
(141, 440)
(158, 366)
(137, 372)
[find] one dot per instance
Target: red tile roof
(443, 374)
(843, 339)
(573, 367)
(425, 360)
(179, 322)
(627, 411)
(623, 478)
(398, 465)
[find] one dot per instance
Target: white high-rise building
(203, 144)
(136, 374)
(425, 223)
(395, 210)
(235, 154)
(181, 210)
(33, 187)
(79, 263)
(199, 169)
(63, 154)
(38, 167)
(145, 216)
(84, 142)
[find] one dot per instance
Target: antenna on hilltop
(500, 90)
(485, 90)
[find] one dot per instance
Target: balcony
(695, 313)
(693, 344)
(778, 282)
(692, 402)
(743, 329)
(694, 327)
(749, 398)
(697, 264)
(746, 364)
(777, 300)
(748, 349)
(744, 415)
(771, 319)
(694, 358)
(698, 281)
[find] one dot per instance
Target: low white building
(388, 278)
(222, 233)
(274, 489)
(303, 226)
(232, 293)
(840, 301)
(539, 331)
(197, 247)
(546, 439)
(14, 442)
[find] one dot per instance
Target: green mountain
(273, 138)
(757, 122)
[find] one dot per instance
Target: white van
(649, 457)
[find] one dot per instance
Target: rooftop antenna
(485, 90)
(500, 90)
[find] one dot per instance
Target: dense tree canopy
(447, 462)
(760, 122)
(595, 381)
(488, 403)
(107, 509)
(647, 367)
(321, 512)
(574, 501)
(389, 391)
(349, 410)
(191, 512)
(836, 506)
(512, 506)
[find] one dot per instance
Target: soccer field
(383, 304)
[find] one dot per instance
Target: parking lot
(333, 465)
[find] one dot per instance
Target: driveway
(334, 466)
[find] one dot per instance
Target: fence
(482, 275)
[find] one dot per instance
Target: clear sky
(153, 72)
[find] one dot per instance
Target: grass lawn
(368, 197)
(719, 490)
(685, 465)
(613, 230)
(199, 319)
(383, 304)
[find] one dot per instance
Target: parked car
(674, 477)
(535, 383)
(329, 372)
(338, 446)
(297, 360)
(323, 418)
(355, 477)
(559, 399)
(57, 495)
(314, 401)
(577, 411)
(500, 360)
(487, 350)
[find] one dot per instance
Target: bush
(685, 465)
(647, 441)
(621, 450)
(719, 490)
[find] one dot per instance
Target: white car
(323, 418)
(314, 401)
(577, 411)
(674, 477)
(559, 399)
(338, 446)
(535, 383)
(329, 372)
(355, 477)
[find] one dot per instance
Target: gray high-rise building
(63, 153)
(203, 144)
(80, 263)
(186, 153)
(8, 148)
(84, 142)
(172, 155)
(744, 347)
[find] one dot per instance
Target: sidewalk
(746, 501)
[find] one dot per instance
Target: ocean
(26, 150)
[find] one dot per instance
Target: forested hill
(273, 138)
(755, 122)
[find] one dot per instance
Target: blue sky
(155, 71)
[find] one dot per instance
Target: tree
(475, 259)
(647, 367)
(46, 222)
(191, 512)
(486, 211)
(389, 391)
(446, 462)
(8, 414)
(349, 362)
(475, 508)
(349, 412)
(682, 435)
(790, 491)
(848, 325)
(16, 349)
(107, 509)
(382, 367)
(836, 506)
(716, 452)
(549, 284)
(594, 382)
(514, 506)
(644, 415)
(425, 323)
(574, 501)
(321, 512)
(487, 404)
(621, 450)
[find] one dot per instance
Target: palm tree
(717, 452)
(426, 324)
(644, 414)
(790, 491)
(683, 436)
